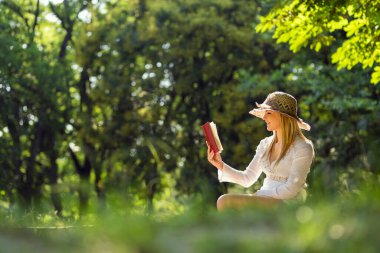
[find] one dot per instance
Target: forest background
(102, 102)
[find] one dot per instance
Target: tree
(319, 23)
(34, 108)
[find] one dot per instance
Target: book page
(216, 136)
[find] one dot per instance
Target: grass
(341, 223)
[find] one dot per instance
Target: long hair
(290, 130)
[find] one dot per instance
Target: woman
(285, 157)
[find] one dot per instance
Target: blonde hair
(290, 130)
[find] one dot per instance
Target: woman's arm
(247, 177)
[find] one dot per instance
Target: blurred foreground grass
(343, 223)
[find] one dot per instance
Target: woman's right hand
(214, 159)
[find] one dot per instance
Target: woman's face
(273, 120)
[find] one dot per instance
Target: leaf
(375, 77)
(354, 26)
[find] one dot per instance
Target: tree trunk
(53, 176)
(99, 186)
(27, 188)
(84, 176)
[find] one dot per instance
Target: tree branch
(36, 14)
(16, 9)
(56, 13)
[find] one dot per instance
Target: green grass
(340, 223)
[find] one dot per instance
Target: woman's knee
(222, 201)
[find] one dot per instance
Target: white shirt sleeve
(300, 168)
(247, 177)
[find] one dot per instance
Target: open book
(211, 135)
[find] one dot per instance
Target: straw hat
(283, 103)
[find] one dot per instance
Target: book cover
(211, 135)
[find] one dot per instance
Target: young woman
(285, 157)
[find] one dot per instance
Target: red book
(211, 135)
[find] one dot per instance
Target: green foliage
(334, 224)
(317, 23)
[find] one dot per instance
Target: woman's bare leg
(237, 201)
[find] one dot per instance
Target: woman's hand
(214, 159)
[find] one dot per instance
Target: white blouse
(284, 180)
